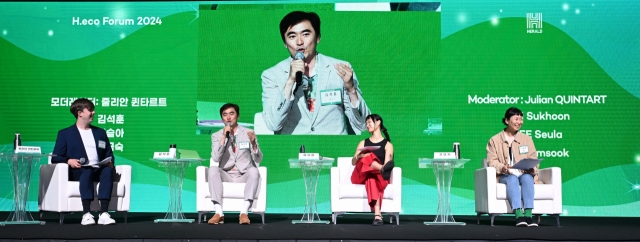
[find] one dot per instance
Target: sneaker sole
(523, 224)
(533, 225)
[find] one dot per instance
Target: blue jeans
(519, 189)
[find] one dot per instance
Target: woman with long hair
(373, 163)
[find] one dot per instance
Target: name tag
(162, 155)
(331, 96)
(243, 145)
(308, 156)
(444, 155)
(524, 149)
(101, 144)
(28, 149)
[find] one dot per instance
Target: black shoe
(378, 221)
(386, 170)
(531, 222)
(521, 222)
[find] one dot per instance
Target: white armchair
(58, 194)
(491, 196)
(348, 197)
(233, 196)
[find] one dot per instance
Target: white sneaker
(105, 219)
(87, 219)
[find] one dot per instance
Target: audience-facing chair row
(58, 194)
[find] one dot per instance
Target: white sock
(247, 205)
(218, 209)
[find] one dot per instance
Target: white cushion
(358, 191)
(542, 191)
(229, 189)
(73, 187)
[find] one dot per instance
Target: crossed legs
(367, 172)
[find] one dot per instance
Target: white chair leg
(493, 215)
(62, 214)
(202, 216)
(391, 217)
(557, 218)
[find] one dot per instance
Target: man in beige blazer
(235, 149)
(327, 99)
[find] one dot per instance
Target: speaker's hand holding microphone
(75, 163)
(227, 129)
(296, 69)
(299, 65)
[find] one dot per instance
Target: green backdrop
(427, 81)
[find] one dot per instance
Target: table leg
(20, 167)
(175, 175)
(310, 174)
(444, 174)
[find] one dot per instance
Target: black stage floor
(140, 226)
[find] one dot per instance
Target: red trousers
(372, 179)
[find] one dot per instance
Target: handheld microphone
(82, 161)
(299, 56)
(227, 134)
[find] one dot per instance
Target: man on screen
(235, 151)
(83, 146)
(310, 93)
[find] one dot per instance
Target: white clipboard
(102, 162)
(369, 148)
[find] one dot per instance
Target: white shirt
(512, 156)
(89, 147)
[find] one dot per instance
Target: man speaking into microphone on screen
(310, 93)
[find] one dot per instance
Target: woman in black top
(374, 165)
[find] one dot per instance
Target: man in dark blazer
(83, 147)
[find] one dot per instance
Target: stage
(140, 226)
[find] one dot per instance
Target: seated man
(82, 146)
(236, 150)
